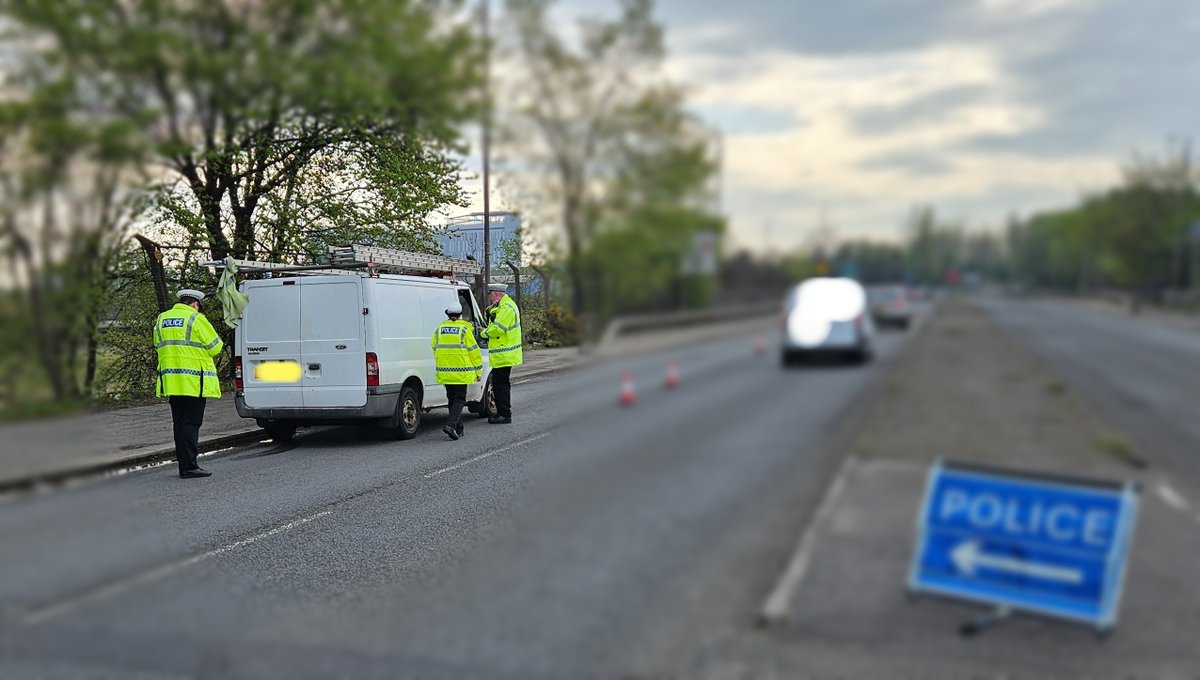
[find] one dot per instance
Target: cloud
(819, 27)
(986, 107)
(911, 163)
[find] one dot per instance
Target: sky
(852, 112)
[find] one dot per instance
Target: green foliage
(264, 129)
(127, 369)
(553, 326)
(64, 203)
(281, 121)
(1132, 236)
(626, 168)
(932, 248)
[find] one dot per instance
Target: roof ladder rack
(391, 261)
(376, 260)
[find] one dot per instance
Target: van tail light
(238, 382)
(372, 370)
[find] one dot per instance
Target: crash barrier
(643, 323)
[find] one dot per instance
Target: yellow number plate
(277, 371)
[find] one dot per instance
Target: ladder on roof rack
(391, 261)
(374, 259)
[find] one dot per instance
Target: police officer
(459, 363)
(186, 344)
(504, 348)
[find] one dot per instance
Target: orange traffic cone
(672, 379)
(628, 396)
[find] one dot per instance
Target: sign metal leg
(982, 623)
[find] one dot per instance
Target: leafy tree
(67, 193)
(277, 121)
(1132, 236)
(933, 248)
(613, 145)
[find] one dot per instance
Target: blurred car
(827, 316)
(890, 306)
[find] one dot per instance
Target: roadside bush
(553, 326)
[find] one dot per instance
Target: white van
(827, 316)
(347, 349)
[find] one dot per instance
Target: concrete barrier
(644, 323)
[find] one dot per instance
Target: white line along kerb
(776, 607)
(475, 459)
(48, 612)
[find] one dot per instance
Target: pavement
(972, 391)
(588, 538)
(56, 449)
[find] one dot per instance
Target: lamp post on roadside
(486, 149)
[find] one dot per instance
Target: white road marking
(51, 611)
(776, 607)
(474, 459)
(1172, 497)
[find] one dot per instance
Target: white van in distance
(349, 348)
(827, 316)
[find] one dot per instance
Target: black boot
(450, 432)
(500, 420)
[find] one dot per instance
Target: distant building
(464, 236)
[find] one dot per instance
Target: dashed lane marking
(45, 613)
(475, 459)
(1172, 497)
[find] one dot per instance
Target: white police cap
(498, 287)
(189, 293)
(454, 308)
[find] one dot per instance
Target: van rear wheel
(280, 431)
(408, 414)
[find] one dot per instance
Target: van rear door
(271, 333)
(332, 348)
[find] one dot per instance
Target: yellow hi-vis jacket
(456, 353)
(186, 344)
(504, 334)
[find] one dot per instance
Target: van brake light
(372, 370)
(238, 382)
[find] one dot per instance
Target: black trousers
(188, 415)
(502, 386)
(457, 395)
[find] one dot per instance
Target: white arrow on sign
(968, 557)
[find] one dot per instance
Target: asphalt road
(585, 538)
(1142, 376)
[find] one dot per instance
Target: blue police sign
(1048, 545)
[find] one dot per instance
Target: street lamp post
(486, 144)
